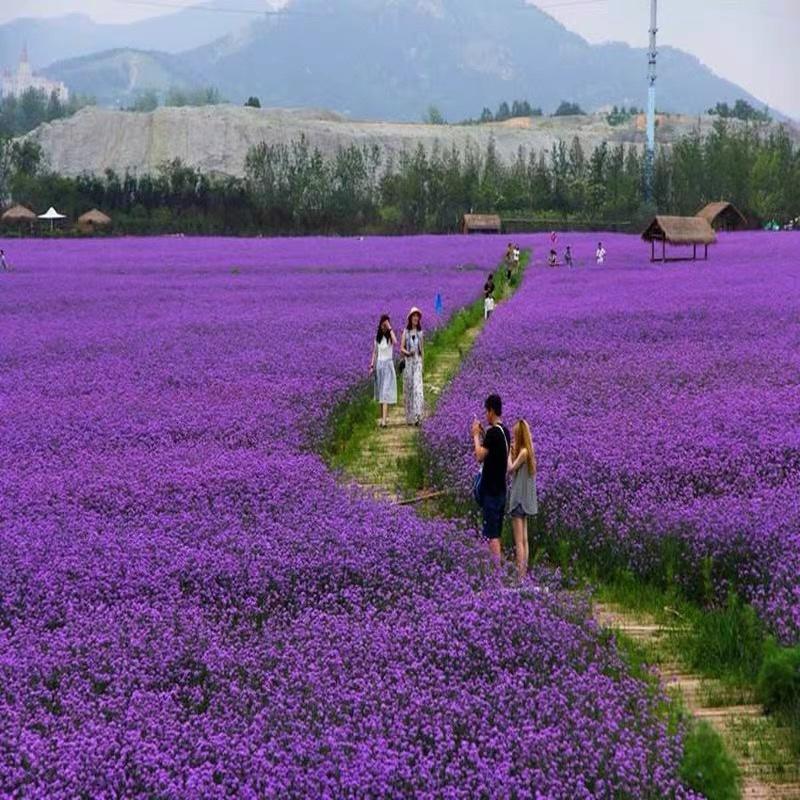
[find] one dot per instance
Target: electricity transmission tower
(650, 154)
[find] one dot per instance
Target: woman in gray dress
(382, 365)
(412, 350)
(522, 500)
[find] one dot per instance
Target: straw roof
(680, 230)
(94, 217)
(713, 211)
(481, 222)
(18, 214)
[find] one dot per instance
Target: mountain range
(382, 59)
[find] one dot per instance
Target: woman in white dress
(600, 253)
(382, 364)
(412, 349)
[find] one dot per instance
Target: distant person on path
(411, 347)
(488, 296)
(3, 263)
(515, 256)
(600, 254)
(553, 237)
(568, 256)
(491, 451)
(552, 259)
(522, 499)
(382, 365)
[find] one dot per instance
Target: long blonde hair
(523, 438)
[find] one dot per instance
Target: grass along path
(387, 461)
(761, 748)
(389, 464)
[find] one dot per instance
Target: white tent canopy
(51, 213)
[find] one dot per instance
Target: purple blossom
(192, 606)
(665, 406)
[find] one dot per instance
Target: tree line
(294, 188)
(19, 115)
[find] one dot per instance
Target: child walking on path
(412, 349)
(522, 499)
(382, 364)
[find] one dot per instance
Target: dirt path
(389, 458)
(387, 464)
(752, 738)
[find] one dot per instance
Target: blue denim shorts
(493, 508)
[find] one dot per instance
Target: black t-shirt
(488, 288)
(495, 463)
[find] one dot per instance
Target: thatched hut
(679, 231)
(723, 216)
(93, 220)
(18, 215)
(481, 223)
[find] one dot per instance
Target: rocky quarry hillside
(216, 139)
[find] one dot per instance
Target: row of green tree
(294, 188)
(19, 115)
(177, 97)
(518, 108)
(741, 109)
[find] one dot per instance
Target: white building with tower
(15, 84)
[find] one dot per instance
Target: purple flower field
(191, 605)
(665, 405)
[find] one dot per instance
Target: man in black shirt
(492, 452)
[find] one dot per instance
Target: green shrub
(706, 767)
(778, 684)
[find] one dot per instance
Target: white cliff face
(216, 139)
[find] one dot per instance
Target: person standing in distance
(411, 346)
(382, 364)
(3, 263)
(491, 451)
(600, 254)
(488, 296)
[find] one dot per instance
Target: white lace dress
(413, 395)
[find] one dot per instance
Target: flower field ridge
(665, 403)
(192, 606)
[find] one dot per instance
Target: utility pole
(650, 154)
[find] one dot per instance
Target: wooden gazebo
(481, 223)
(19, 215)
(723, 216)
(679, 231)
(93, 220)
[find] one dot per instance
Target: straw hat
(411, 313)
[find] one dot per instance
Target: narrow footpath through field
(388, 463)
(759, 746)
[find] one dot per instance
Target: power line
(210, 9)
(567, 3)
(282, 13)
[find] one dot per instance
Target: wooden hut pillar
(694, 252)
(705, 258)
(652, 250)
(664, 250)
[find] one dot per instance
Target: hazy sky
(755, 43)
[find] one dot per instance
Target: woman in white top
(601, 253)
(382, 365)
(412, 349)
